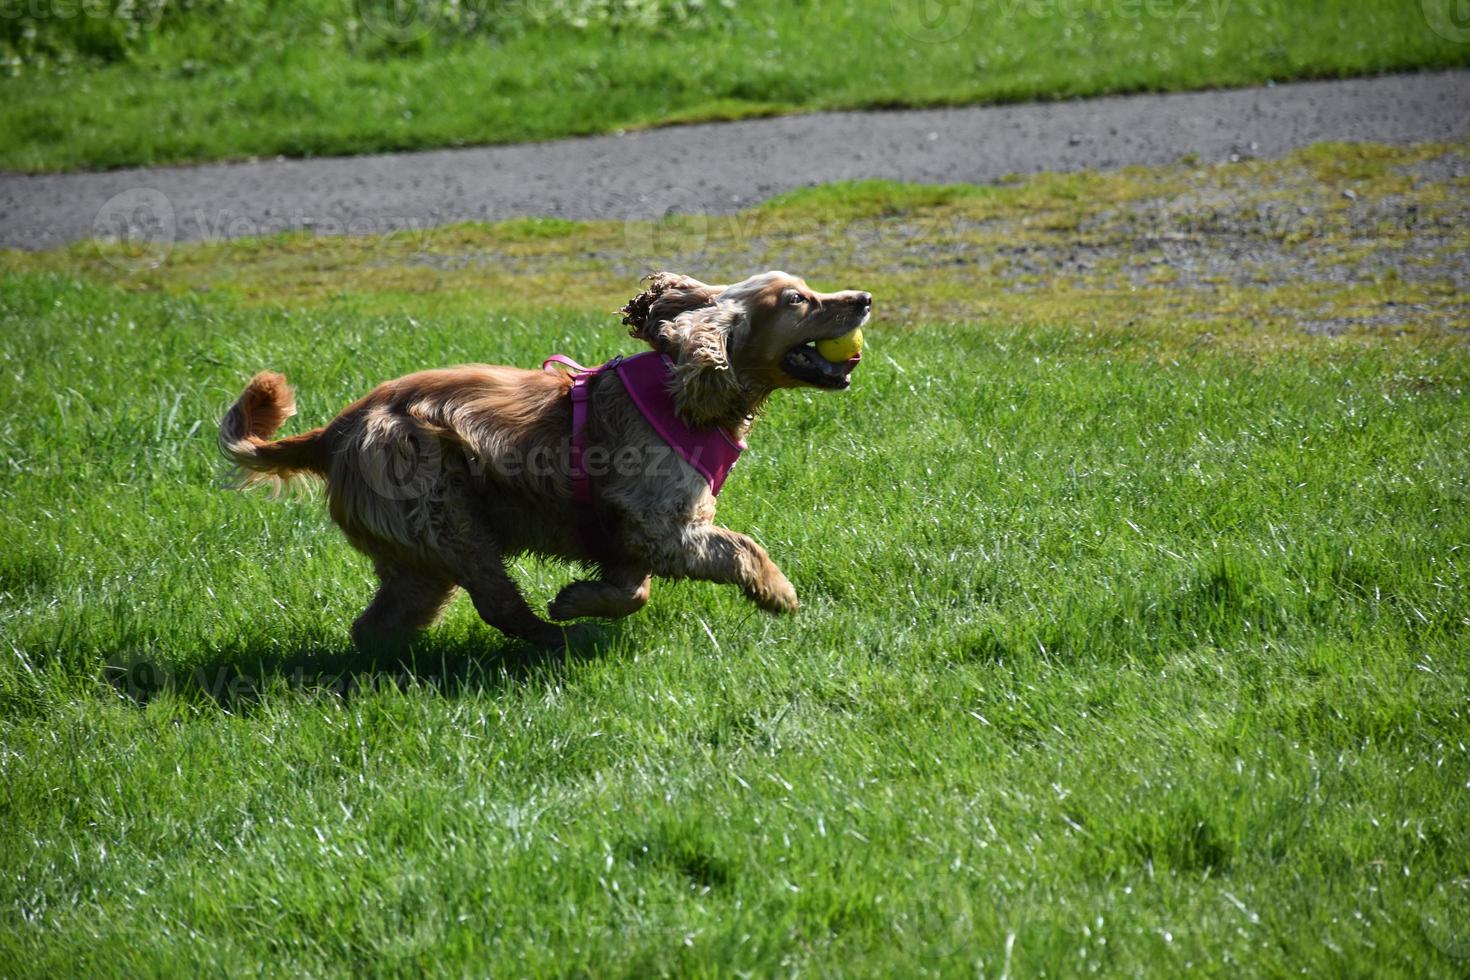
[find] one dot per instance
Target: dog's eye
(797, 299)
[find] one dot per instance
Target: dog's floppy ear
(706, 390)
(668, 295)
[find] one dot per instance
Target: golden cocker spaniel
(442, 475)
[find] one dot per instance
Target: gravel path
(719, 168)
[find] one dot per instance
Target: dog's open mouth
(803, 363)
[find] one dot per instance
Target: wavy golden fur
(440, 476)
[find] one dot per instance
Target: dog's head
(732, 345)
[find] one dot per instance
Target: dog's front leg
(716, 554)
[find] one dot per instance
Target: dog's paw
(566, 605)
(776, 594)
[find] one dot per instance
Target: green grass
(209, 80)
(1132, 665)
(1135, 639)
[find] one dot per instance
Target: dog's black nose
(865, 300)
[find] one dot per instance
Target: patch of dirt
(1384, 246)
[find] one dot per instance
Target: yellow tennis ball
(843, 348)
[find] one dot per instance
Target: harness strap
(561, 359)
(589, 529)
(711, 451)
(581, 482)
(581, 392)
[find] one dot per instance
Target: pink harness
(712, 451)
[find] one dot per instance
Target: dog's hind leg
(621, 591)
(407, 601)
(475, 562)
(500, 603)
(468, 550)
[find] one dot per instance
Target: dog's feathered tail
(245, 431)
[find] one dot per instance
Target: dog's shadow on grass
(239, 678)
